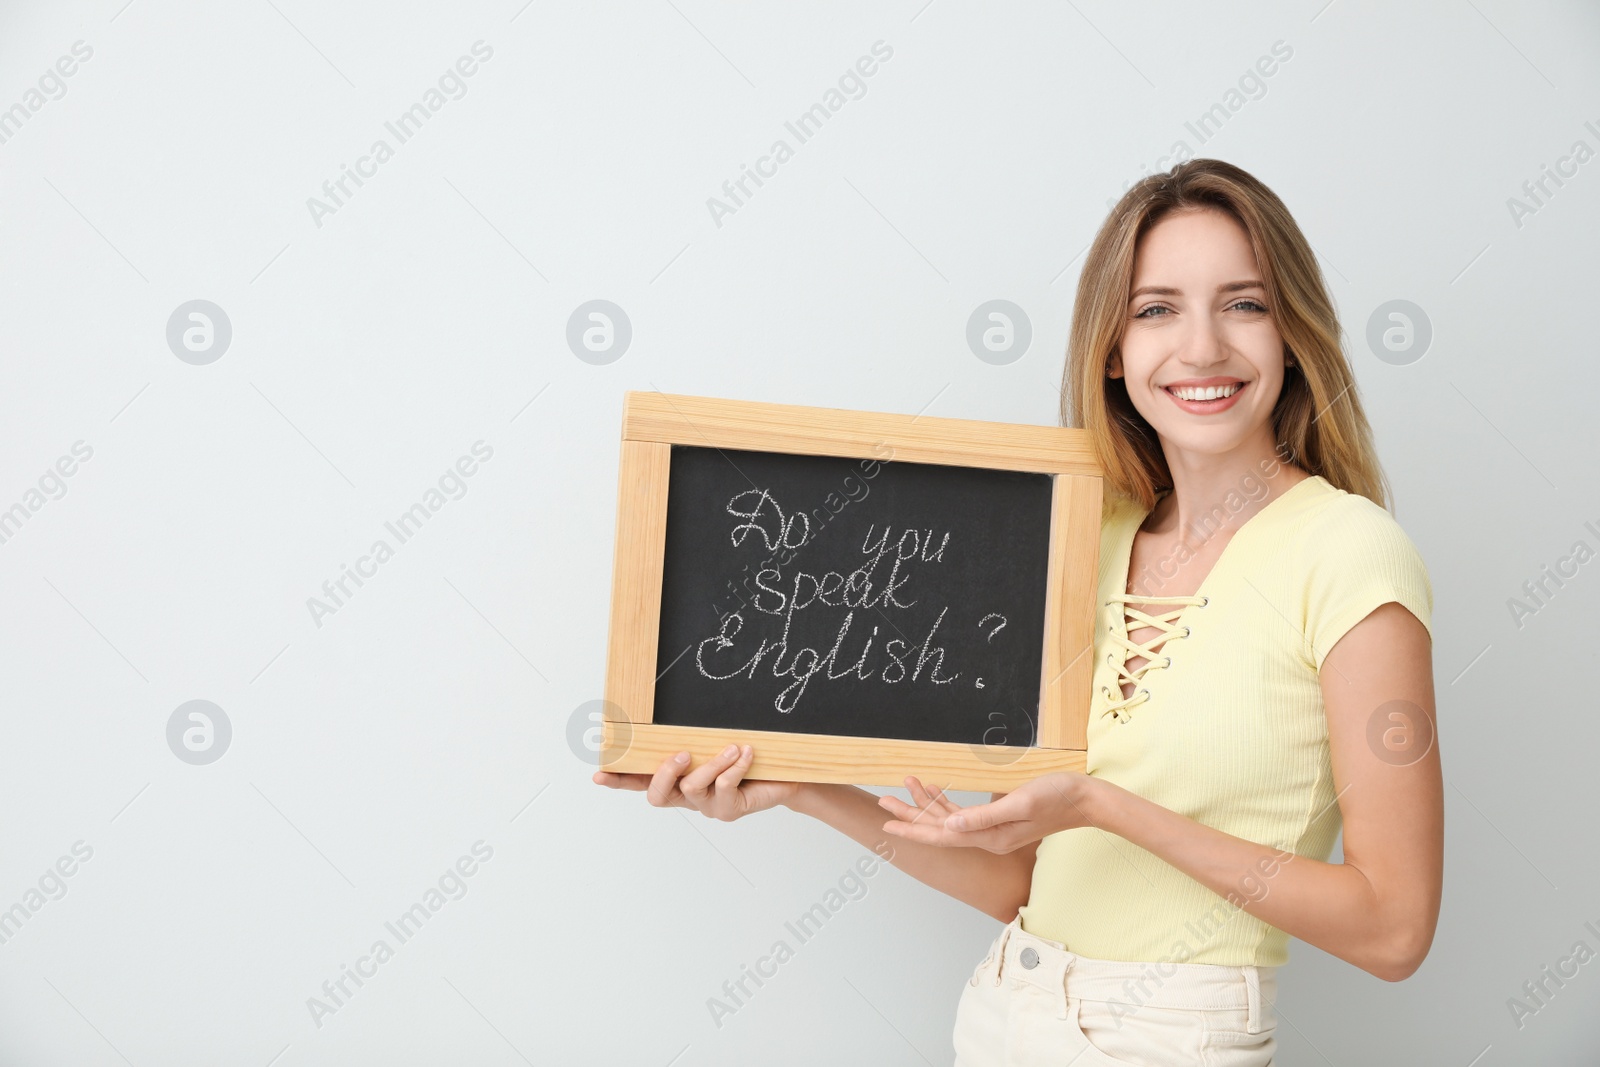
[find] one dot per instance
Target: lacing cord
(1135, 619)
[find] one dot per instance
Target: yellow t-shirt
(1226, 725)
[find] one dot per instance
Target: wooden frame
(653, 422)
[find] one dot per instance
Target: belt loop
(1000, 950)
(1067, 985)
(1252, 983)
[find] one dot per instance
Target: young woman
(1262, 676)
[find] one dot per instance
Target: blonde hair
(1318, 421)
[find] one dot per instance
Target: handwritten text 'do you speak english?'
(879, 584)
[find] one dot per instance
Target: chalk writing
(850, 596)
(855, 490)
(879, 583)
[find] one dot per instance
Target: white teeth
(1210, 392)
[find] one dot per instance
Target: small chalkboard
(860, 596)
(822, 595)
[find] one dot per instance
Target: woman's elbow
(1400, 953)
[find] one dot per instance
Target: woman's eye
(1252, 306)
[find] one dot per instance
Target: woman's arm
(1378, 909)
(996, 885)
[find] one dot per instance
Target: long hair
(1317, 422)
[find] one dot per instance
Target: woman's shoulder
(1345, 541)
(1332, 521)
(1117, 512)
(1318, 522)
(1351, 556)
(1114, 504)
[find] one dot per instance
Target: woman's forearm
(995, 884)
(1330, 905)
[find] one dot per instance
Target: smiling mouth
(1202, 394)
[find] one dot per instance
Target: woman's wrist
(1085, 792)
(805, 797)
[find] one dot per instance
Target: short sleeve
(1359, 558)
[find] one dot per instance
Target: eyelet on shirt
(1204, 601)
(1165, 621)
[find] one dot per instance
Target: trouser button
(1030, 958)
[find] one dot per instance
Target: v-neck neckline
(1222, 557)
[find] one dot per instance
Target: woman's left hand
(1027, 814)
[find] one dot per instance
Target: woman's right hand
(716, 788)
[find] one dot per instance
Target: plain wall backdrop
(374, 338)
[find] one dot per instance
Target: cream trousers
(1031, 1003)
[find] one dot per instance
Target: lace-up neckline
(1134, 619)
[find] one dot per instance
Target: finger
(937, 807)
(927, 809)
(696, 785)
(728, 781)
(729, 800)
(992, 840)
(899, 808)
(981, 817)
(927, 833)
(664, 789)
(618, 780)
(922, 793)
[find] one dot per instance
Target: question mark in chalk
(997, 629)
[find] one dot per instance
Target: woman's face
(1198, 329)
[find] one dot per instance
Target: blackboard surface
(813, 594)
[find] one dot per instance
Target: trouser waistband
(1167, 984)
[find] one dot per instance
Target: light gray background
(430, 311)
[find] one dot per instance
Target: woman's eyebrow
(1164, 290)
